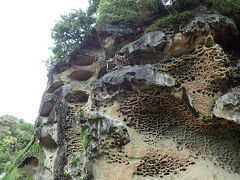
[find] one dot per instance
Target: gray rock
(222, 28)
(50, 129)
(147, 42)
(228, 106)
(158, 44)
(138, 73)
(112, 36)
(75, 167)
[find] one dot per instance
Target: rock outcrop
(228, 106)
(150, 106)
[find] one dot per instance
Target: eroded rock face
(112, 37)
(207, 27)
(167, 136)
(149, 114)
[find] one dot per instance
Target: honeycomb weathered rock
(148, 114)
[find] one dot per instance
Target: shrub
(72, 29)
(154, 4)
(118, 11)
(230, 8)
(173, 21)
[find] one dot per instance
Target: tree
(9, 144)
(93, 5)
(15, 134)
(71, 31)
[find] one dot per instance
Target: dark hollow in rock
(82, 60)
(47, 108)
(77, 97)
(30, 161)
(48, 142)
(81, 75)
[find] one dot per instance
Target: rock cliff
(154, 105)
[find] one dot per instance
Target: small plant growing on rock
(75, 160)
(84, 136)
(99, 67)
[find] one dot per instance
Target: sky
(25, 39)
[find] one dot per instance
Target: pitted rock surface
(135, 106)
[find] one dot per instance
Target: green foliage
(173, 21)
(84, 136)
(156, 5)
(230, 8)
(93, 5)
(236, 88)
(17, 174)
(15, 134)
(75, 160)
(118, 11)
(13, 176)
(71, 31)
(32, 150)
